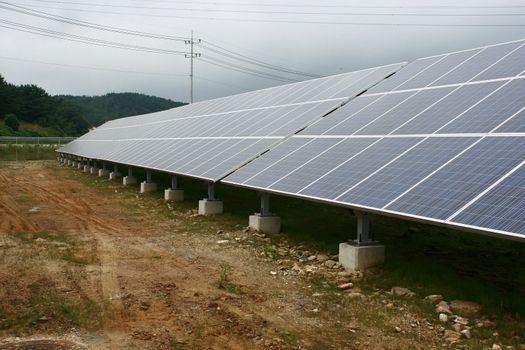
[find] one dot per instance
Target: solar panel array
(442, 140)
(210, 139)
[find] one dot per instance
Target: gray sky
(319, 48)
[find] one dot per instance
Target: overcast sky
(336, 43)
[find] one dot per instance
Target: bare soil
(113, 271)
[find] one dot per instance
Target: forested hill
(28, 110)
(99, 109)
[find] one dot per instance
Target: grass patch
(31, 237)
(40, 305)
(10, 152)
(320, 285)
(155, 255)
(223, 282)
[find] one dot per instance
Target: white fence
(35, 140)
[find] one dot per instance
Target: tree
(12, 121)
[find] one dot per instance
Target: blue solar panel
(477, 64)
(367, 115)
(447, 109)
(515, 124)
(501, 208)
(259, 164)
(340, 115)
(407, 73)
(492, 111)
(512, 65)
(321, 163)
(358, 167)
(405, 111)
(397, 177)
(440, 68)
(290, 161)
(445, 192)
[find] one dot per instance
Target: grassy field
(11, 152)
(427, 259)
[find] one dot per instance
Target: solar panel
(442, 140)
(210, 139)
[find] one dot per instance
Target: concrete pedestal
(210, 207)
(173, 195)
(86, 168)
(103, 172)
(268, 224)
(68, 162)
(93, 170)
(80, 166)
(146, 187)
(354, 257)
(114, 175)
(129, 180)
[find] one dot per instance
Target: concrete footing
(103, 172)
(361, 257)
(146, 187)
(173, 195)
(268, 224)
(80, 165)
(86, 168)
(210, 207)
(129, 180)
(114, 175)
(93, 170)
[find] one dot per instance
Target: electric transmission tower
(191, 56)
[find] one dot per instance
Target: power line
(291, 21)
(72, 21)
(83, 39)
(284, 4)
(231, 54)
(74, 66)
(105, 43)
(275, 5)
(65, 65)
(238, 66)
(241, 71)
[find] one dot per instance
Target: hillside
(99, 109)
(28, 110)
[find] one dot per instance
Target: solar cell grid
(492, 111)
(445, 192)
(405, 111)
(358, 167)
(460, 100)
(477, 64)
(501, 208)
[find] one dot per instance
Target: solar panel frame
(396, 85)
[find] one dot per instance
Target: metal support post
(211, 191)
(362, 228)
(174, 182)
(265, 204)
(115, 168)
(104, 165)
(148, 176)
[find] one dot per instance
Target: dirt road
(110, 269)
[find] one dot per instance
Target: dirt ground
(111, 271)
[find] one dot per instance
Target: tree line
(28, 110)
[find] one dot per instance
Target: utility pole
(191, 56)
